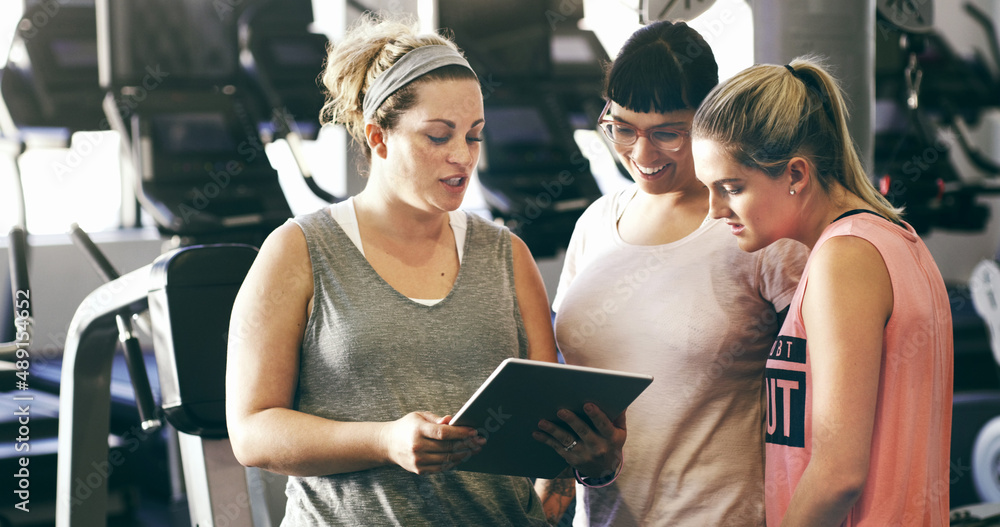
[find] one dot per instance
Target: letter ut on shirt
(785, 390)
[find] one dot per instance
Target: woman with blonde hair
(859, 381)
(362, 325)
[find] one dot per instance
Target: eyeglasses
(619, 133)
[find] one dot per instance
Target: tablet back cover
(508, 406)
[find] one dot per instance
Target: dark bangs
(663, 67)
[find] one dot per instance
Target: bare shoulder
(848, 273)
(283, 259)
(287, 237)
(846, 256)
(520, 249)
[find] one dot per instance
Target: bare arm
(533, 302)
(266, 330)
(846, 306)
(556, 495)
(599, 449)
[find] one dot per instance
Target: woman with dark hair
(859, 380)
(652, 284)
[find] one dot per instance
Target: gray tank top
(371, 354)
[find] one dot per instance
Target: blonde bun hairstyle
(372, 45)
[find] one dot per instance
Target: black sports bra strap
(859, 211)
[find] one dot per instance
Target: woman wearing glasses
(652, 284)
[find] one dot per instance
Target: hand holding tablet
(508, 407)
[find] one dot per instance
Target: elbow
(841, 474)
(849, 493)
(242, 443)
(845, 485)
(251, 456)
(242, 450)
(245, 458)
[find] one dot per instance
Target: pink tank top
(908, 478)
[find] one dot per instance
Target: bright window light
(727, 26)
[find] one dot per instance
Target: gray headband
(413, 64)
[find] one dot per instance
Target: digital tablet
(519, 393)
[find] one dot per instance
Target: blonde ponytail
(767, 114)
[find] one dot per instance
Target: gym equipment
(85, 395)
(28, 419)
(284, 60)
(189, 113)
(979, 413)
(189, 293)
(130, 344)
(986, 461)
(50, 79)
(49, 86)
(541, 82)
(18, 349)
(924, 86)
(15, 359)
(187, 117)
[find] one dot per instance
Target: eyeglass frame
(640, 132)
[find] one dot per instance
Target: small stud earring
(791, 191)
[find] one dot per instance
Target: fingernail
(481, 440)
(563, 413)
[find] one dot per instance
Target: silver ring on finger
(570, 446)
